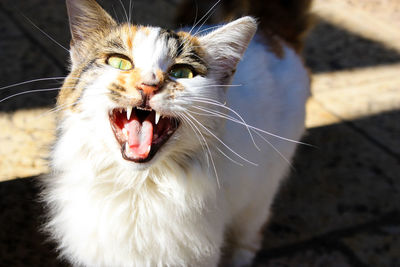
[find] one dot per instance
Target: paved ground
(341, 205)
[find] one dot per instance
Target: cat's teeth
(157, 117)
(125, 132)
(126, 147)
(128, 112)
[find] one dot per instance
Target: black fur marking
(173, 41)
(117, 44)
(117, 87)
(88, 66)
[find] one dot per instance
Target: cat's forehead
(150, 46)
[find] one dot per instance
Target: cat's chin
(141, 132)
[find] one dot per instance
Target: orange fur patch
(129, 31)
(145, 29)
(121, 79)
(160, 75)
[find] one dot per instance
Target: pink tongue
(140, 137)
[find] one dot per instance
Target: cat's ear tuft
(87, 17)
(227, 44)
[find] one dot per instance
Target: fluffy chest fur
(164, 217)
(159, 158)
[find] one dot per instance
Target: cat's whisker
(276, 150)
(261, 136)
(116, 15)
(65, 106)
(130, 11)
(204, 16)
(185, 43)
(237, 121)
(234, 161)
(238, 115)
(208, 148)
(197, 12)
(219, 139)
(205, 20)
(124, 9)
(200, 137)
(217, 85)
(205, 30)
(250, 126)
(30, 92)
(55, 109)
(223, 115)
(31, 81)
(43, 32)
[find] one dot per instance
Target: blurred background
(340, 205)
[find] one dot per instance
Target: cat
(171, 145)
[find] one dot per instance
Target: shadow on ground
(330, 48)
(336, 203)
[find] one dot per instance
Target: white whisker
(116, 15)
(201, 139)
(217, 85)
(31, 81)
(276, 150)
(225, 145)
(208, 148)
(250, 126)
(234, 161)
(65, 106)
(223, 115)
(205, 20)
(204, 16)
(237, 121)
(130, 11)
(206, 29)
(43, 32)
(126, 14)
(29, 92)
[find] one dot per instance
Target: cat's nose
(148, 89)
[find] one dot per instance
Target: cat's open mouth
(141, 132)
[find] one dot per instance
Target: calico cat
(163, 152)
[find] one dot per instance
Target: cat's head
(141, 90)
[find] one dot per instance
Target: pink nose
(148, 89)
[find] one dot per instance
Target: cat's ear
(227, 44)
(87, 17)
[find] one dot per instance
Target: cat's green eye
(181, 72)
(119, 63)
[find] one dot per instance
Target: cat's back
(268, 89)
(269, 93)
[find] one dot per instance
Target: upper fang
(157, 117)
(128, 112)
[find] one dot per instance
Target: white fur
(171, 211)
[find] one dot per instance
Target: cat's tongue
(140, 136)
